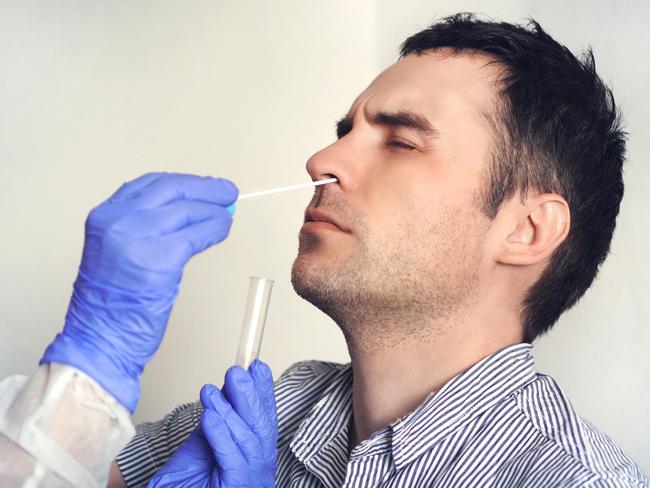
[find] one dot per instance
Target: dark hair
(557, 130)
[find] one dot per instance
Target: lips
(315, 215)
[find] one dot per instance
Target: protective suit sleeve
(59, 428)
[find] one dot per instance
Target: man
(479, 179)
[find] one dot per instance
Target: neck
(393, 376)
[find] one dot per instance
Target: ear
(539, 226)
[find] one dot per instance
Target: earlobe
(541, 227)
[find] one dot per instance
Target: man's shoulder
(548, 409)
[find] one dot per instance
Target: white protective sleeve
(59, 428)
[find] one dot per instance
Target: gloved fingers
(132, 186)
(240, 389)
(263, 379)
(191, 461)
(168, 218)
(245, 439)
(196, 237)
(231, 466)
(172, 187)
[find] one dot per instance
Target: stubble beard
(394, 291)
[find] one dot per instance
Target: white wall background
(94, 93)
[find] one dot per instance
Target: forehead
(438, 84)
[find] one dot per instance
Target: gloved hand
(235, 443)
(136, 245)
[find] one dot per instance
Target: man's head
(487, 156)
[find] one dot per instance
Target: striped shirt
(497, 424)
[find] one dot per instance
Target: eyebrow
(401, 118)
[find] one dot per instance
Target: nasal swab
(244, 196)
(286, 188)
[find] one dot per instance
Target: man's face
(408, 230)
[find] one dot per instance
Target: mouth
(318, 220)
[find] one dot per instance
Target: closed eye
(400, 145)
(344, 127)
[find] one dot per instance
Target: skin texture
(422, 284)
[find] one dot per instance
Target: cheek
(434, 232)
(418, 197)
(399, 185)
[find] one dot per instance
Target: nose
(336, 160)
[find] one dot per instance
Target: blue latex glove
(136, 245)
(235, 443)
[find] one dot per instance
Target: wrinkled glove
(136, 244)
(235, 443)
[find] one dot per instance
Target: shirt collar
(324, 431)
(326, 425)
(460, 400)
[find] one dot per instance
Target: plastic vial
(257, 307)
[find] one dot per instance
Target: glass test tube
(257, 307)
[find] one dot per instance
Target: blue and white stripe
(497, 424)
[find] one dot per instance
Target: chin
(303, 271)
(310, 275)
(328, 275)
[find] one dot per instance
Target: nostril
(329, 176)
(327, 179)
